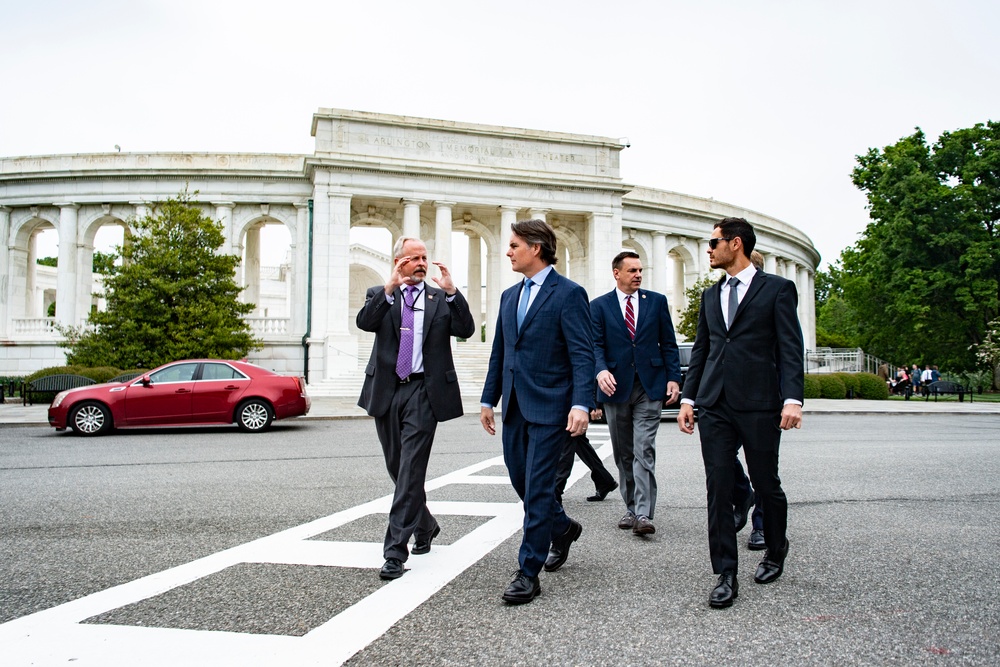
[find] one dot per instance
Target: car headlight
(57, 401)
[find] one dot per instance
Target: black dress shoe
(771, 567)
(601, 494)
(727, 590)
(522, 589)
(559, 550)
(421, 547)
(393, 569)
(740, 512)
(756, 541)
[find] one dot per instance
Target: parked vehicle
(671, 411)
(183, 393)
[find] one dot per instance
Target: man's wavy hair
(733, 227)
(538, 232)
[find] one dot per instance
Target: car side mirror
(146, 381)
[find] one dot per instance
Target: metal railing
(843, 360)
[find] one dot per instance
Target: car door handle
(232, 386)
(183, 391)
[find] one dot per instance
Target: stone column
(411, 217)
(5, 266)
(658, 271)
(704, 266)
(538, 214)
(811, 310)
(84, 278)
(341, 344)
(251, 271)
(604, 241)
(300, 269)
(475, 288)
(506, 277)
(66, 307)
(675, 296)
(442, 232)
(31, 304)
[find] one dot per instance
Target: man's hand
(395, 278)
(606, 381)
(577, 422)
(791, 416)
(673, 392)
(445, 282)
(596, 414)
(487, 420)
(685, 418)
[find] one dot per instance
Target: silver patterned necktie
(734, 300)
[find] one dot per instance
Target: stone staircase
(471, 362)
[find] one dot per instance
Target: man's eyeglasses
(714, 242)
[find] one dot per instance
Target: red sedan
(195, 391)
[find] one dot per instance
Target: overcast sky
(760, 104)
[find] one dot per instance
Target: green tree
(688, 324)
(836, 321)
(924, 279)
(172, 298)
(104, 262)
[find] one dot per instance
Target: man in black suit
(745, 377)
(542, 366)
(411, 385)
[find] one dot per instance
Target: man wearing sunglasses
(745, 376)
(411, 385)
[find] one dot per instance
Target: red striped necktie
(630, 316)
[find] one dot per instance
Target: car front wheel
(254, 415)
(90, 419)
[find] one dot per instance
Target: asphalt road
(893, 526)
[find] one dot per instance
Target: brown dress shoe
(627, 521)
(643, 526)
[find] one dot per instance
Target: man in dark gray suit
(411, 385)
(745, 376)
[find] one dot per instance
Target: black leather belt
(411, 377)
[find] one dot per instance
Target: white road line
(56, 636)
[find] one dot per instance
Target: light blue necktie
(522, 307)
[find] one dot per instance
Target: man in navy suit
(746, 378)
(542, 364)
(637, 366)
(411, 385)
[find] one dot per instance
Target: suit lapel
(755, 286)
(713, 302)
(545, 291)
(395, 312)
(433, 299)
(641, 311)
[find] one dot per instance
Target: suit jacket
(759, 359)
(550, 363)
(442, 320)
(652, 355)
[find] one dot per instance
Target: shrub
(811, 389)
(850, 383)
(871, 387)
(831, 386)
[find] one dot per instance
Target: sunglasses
(712, 243)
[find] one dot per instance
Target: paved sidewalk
(13, 413)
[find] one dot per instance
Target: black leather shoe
(559, 550)
(771, 567)
(393, 569)
(522, 589)
(601, 494)
(727, 590)
(756, 541)
(740, 512)
(422, 547)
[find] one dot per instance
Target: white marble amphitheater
(414, 176)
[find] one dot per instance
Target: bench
(944, 387)
(52, 383)
(125, 377)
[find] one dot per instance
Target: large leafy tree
(688, 324)
(924, 279)
(172, 297)
(836, 321)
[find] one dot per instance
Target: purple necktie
(404, 362)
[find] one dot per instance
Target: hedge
(850, 381)
(831, 386)
(872, 387)
(811, 387)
